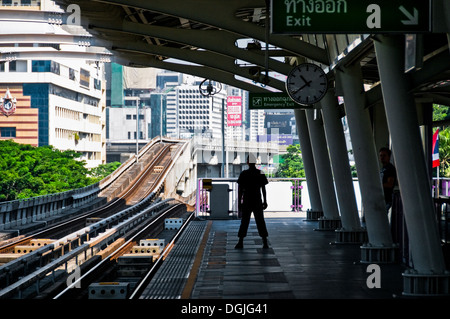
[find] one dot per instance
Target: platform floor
(301, 263)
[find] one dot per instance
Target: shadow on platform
(301, 263)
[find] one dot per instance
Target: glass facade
(45, 66)
(158, 102)
(39, 93)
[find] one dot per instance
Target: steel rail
(114, 254)
(147, 278)
(92, 244)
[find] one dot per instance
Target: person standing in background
(251, 183)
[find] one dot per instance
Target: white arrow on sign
(412, 19)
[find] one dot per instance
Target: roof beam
(200, 71)
(213, 40)
(221, 14)
(205, 58)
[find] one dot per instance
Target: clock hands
(307, 83)
(313, 87)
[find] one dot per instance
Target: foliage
(444, 152)
(101, 171)
(292, 163)
(27, 171)
(440, 112)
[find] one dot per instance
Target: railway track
(127, 268)
(33, 253)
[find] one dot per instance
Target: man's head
(251, 160)
(385, 155)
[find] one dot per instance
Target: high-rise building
(196, 113)
(59, 101)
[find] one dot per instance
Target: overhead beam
(200, 71)
(203, 11)
(212, 40)
(206, 58)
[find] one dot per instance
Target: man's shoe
(265, 245)
(240, 243)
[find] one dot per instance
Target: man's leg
(261, 224)
(245, 221)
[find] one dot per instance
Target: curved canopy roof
(220, 40)
(226, 41)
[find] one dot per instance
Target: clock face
(306, 84)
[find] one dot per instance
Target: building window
(8, 132)
(85, 77)
(71, 74)
(40, 66)
(45, 66)
(97, 84)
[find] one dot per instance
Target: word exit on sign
(350, 16)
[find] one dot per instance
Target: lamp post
(137, 130)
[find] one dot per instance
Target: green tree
(292, 163)
(440, 112)
(103, 170)
(27, 171)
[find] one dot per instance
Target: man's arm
(240, 194)
(263, 189)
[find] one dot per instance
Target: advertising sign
(350, 16)
(234, 110)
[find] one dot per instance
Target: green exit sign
(272, 100)
(350, 16)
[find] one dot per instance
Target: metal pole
(339, 163)
(308, 161)
(223, 138)
(366, 157)
(137, 130)
(411, 167)
(161, 118)
(323, 167)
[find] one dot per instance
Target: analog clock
(306, 84)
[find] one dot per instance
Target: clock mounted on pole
(307, 84)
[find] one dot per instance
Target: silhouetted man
(388, 175)
(251, 183)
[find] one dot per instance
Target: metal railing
(203, 201)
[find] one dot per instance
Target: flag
(435, 153)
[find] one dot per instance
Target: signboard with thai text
(275, 100)
(350, 16)
(234, 110)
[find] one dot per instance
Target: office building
(59, 101)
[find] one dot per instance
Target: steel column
(412, 172)
(323, 168)
(366, 158)
(339, 163)
(308, 162)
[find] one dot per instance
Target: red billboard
(234, 110)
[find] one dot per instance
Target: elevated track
(36, 265)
